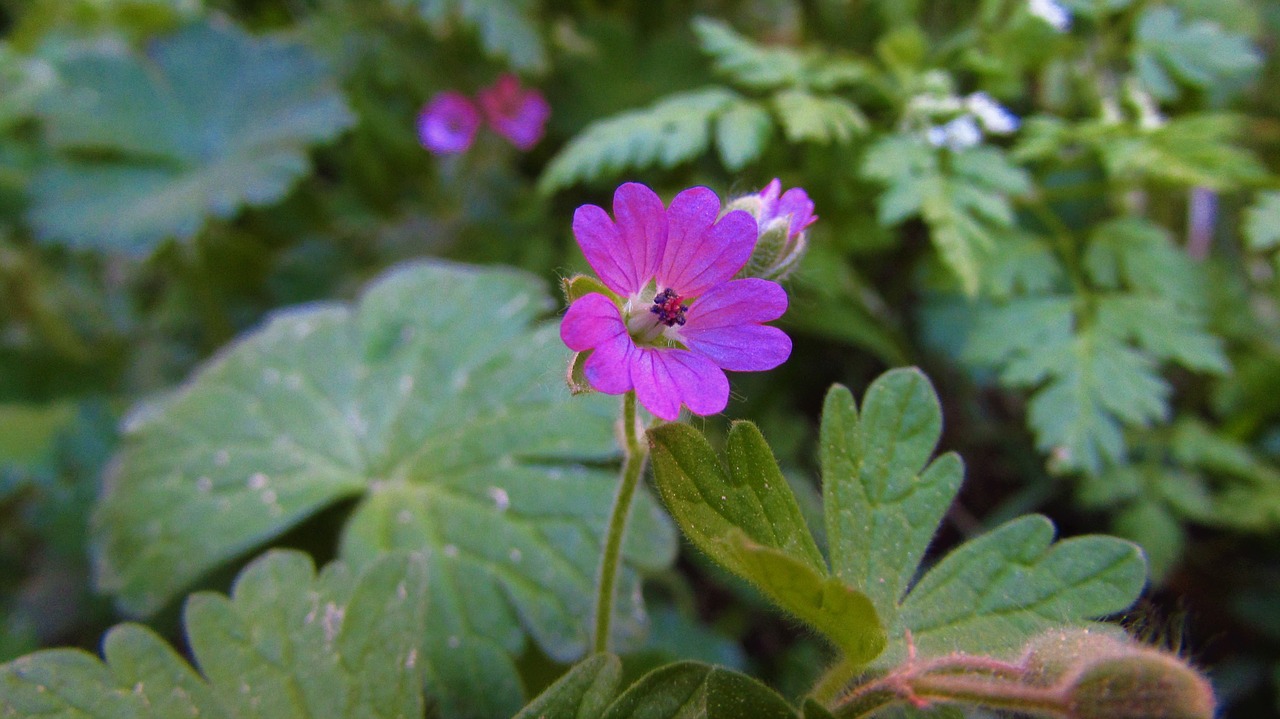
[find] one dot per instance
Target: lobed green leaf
(287, 644)
(210, 120)
(882, 496)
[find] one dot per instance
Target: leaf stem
(634, 456)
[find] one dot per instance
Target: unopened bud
(783, 219)
(1104, 676)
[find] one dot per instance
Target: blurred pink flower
(517, 113)
(448, 123)
(675, 319)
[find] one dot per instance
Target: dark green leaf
(689, 690)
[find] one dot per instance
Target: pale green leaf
(882, 496)
(674, 130)
(1262, 222)
(744, 62)
(440, 402)
(1169, 49)
(507, 29)
(1193, 150)
(208, 121)
(1088, 382)
(287, 645)
(817, 118)
(1164, 330)
(23, 82)
(965, 205)
(1135, 253)
(1019, 264)
(742, 133)
(995, 592)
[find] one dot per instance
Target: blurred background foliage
(1095, 295)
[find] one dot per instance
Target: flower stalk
(635, 454)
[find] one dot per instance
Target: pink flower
(676, 319)
(448, 123)
(516, 113)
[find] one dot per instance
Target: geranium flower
(676, 319)
(448, 123)
(517, 113)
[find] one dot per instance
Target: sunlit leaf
(439, 402)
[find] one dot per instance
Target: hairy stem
(634, 455)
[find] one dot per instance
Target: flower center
(667, 306)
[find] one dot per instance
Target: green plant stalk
(833, 681)
(634, 455)
(964, 679)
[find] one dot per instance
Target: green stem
(833, 681)
(634, 455)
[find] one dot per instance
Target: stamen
(666, 305)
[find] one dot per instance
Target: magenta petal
(642, 224)
(666, 378)
(796, 202)
(736, 302)
(699, 254)
(744, 348)
(601, 243)
(609, 367)
(591, 321)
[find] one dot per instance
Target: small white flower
(993, 116)
(959, 134)
(1051, 12)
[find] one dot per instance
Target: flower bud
(1100, 676)
(783, 219)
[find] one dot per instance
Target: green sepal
(579, 286)
(576, 377)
